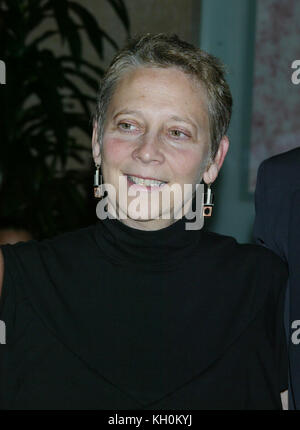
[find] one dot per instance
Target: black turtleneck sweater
(111, 317)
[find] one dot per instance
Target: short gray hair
(163, 50)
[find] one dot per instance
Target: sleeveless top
(110, 317)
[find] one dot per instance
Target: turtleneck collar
(163, 249)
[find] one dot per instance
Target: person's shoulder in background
(277, 179)
(283, 166)
(291, 157)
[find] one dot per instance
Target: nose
(148, 150)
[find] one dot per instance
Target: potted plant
(41, 105)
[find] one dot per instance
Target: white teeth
(146, 182)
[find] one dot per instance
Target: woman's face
(156, 127)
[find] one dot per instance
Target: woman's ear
(96, 144)
(211, 174)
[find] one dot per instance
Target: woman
(140, 311)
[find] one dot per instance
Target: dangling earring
(208, 202)
(97, 183)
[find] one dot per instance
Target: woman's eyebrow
(127, 112)
(185, 120)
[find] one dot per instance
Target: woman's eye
(178, 133)
(126, 126)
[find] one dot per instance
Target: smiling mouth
(145, 182)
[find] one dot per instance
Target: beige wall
(153, 16)
(175, 16)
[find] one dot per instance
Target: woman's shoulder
(245, 256)
(63, 241)
(228, 243)
(46, 269)
(252, 274)
(66, 250)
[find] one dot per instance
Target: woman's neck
(151, 224)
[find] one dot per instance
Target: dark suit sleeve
(264, 234)
(266, 209)
(259, 231)
(275, 321)
(280, 336)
